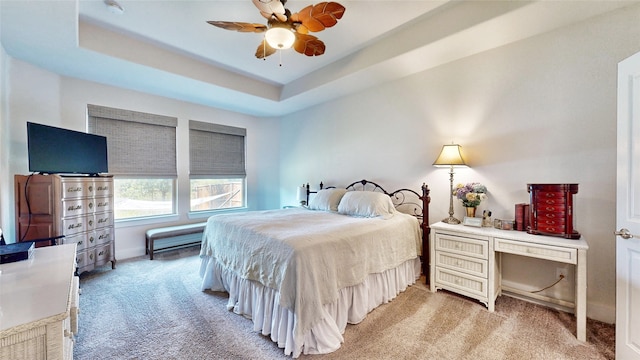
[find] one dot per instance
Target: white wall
(41, 96)
(542, 110)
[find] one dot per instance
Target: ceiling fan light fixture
(280, 38)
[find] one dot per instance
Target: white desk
(38, 305)
(466, 260)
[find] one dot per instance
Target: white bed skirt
(261, 304)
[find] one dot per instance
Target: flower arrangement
(471, 194)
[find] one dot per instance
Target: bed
(302, 273)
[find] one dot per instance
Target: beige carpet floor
(154, 310)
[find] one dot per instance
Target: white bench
(172, 237)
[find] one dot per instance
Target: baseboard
(596, 311)
(601, 312)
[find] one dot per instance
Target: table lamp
(450, 156)
(302, 195)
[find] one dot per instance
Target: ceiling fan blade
(317, 17)
(264, 50)
(308, 45)
(271, 8)
(239, 26)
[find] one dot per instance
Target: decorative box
(551, 210)
(504, 224)
(16, 252)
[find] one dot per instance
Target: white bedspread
(308, 256)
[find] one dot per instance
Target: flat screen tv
(55, 150)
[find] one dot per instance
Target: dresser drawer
(77, 225)
(79, 239)
(548, 229)
(551, 208)
(102, 205)
(471, 266)
(102, 254)
(102, 188)
(74, 207)
(552, 196)
(102, 220)
(471, 285)
(103, 235)
(551, 222)
(73, 189)
(554, 253)
(546, 215)
(472, 247)
(82, 258)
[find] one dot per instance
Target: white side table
(466, 260)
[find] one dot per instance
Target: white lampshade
(302, 194)
(450, 156)
(280, 38)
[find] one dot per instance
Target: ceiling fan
(285, 30)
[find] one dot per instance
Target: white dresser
(466, 260)
(78, 207)
(39, 305)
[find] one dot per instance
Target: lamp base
(451, 220)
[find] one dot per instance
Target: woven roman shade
(139, 144)
(216, 150)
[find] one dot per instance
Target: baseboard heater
(176, 242)
(173, 237)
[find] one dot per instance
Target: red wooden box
(551, 210)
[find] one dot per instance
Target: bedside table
(464, 262)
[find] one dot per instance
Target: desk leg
(581, 296)
(432, 262)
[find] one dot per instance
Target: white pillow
(327, 199)
(366, 204)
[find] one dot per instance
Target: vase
(471, 211)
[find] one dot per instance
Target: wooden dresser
(39, 305)
(78, 207)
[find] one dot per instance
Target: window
(216, 166)
(142, 159)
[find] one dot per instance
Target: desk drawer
(472, 266)
(553, 253)
(477, 248)
(468, 284)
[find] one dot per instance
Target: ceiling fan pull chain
(280, 53)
